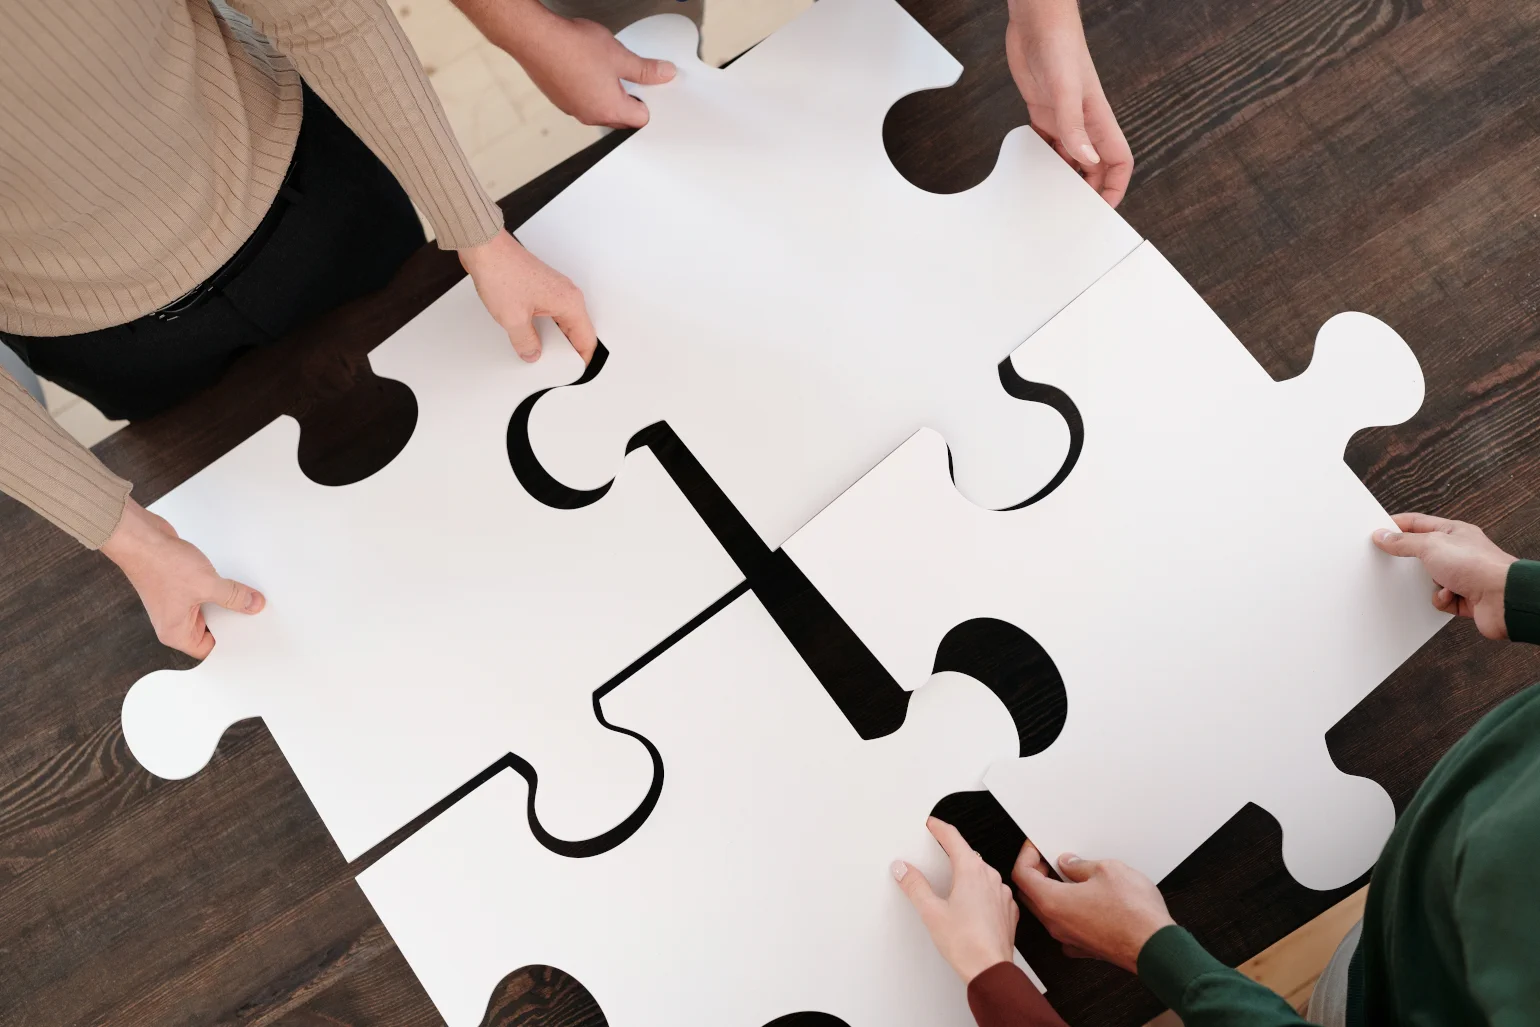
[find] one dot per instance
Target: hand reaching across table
(1046, 50)
(1469, 569)
(516, 287)
(174, 580)
(578, 64)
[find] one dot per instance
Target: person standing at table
(184, 180)
(1451, 929)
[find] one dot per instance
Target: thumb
(526, 341)
(1069, 112)
(1401, 543)
(629, 112)
(1076, 869)
(645, 71)
(914, 884)
(199, 647)
(233, 595)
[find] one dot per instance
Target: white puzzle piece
(1204, 579)
(768, 284)
(428, 620)
(760, 884)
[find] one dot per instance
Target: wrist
(521, 27)
(1139, 935)
(134, 534)
(1496, 576)
(473, 258)
(1046, 17)
(970, 964)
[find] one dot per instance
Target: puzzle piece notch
(745, 850)
(1212, 525)
(427, 621)
(833, 307)
(902, 61)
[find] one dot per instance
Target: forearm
(1521, 601)
(512, 25)
(43, 467)
(1046, 15)
(1004, 996)
(356, 58)
(1202, 990)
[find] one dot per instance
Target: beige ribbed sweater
(141, 142)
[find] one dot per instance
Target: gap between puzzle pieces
(801, 309)
(760, 885)
(1204, 580)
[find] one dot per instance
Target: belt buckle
(177, 307)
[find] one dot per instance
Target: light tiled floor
(76, 416)
(508, 129)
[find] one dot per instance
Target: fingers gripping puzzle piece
(760, 885)
(1204, 579)
(425, 622)
(769, 285)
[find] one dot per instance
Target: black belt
(288, 195)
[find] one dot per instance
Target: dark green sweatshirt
(1452, 924)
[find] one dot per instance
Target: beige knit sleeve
(52, 473)
(355, 56)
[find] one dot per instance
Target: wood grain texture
(1296, 158)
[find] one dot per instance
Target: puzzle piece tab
(428, 620)
(1203, 580)
(760, 884)
(770, 286)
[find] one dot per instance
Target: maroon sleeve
(1003, 996)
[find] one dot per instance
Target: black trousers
(342, 229)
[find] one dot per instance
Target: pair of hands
(1104, 909)
(580, 67)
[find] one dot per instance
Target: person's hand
(517, 287)
(1102, 909)
(174, 580)
(975, 926)
(1468, 568)
(1046, 50)
(576, 63)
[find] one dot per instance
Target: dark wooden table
(1297, 158)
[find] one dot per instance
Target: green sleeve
(1202, 990)
(1521, 599)
(1497, 906)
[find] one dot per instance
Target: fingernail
(899, 868)
(1386, 535)
(255, 603)
(529, 358)
(1068, 859)
(1089, 155)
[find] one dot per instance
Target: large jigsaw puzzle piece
(770, 286)
(760, 884)
(1204, 579)
(434, 617)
